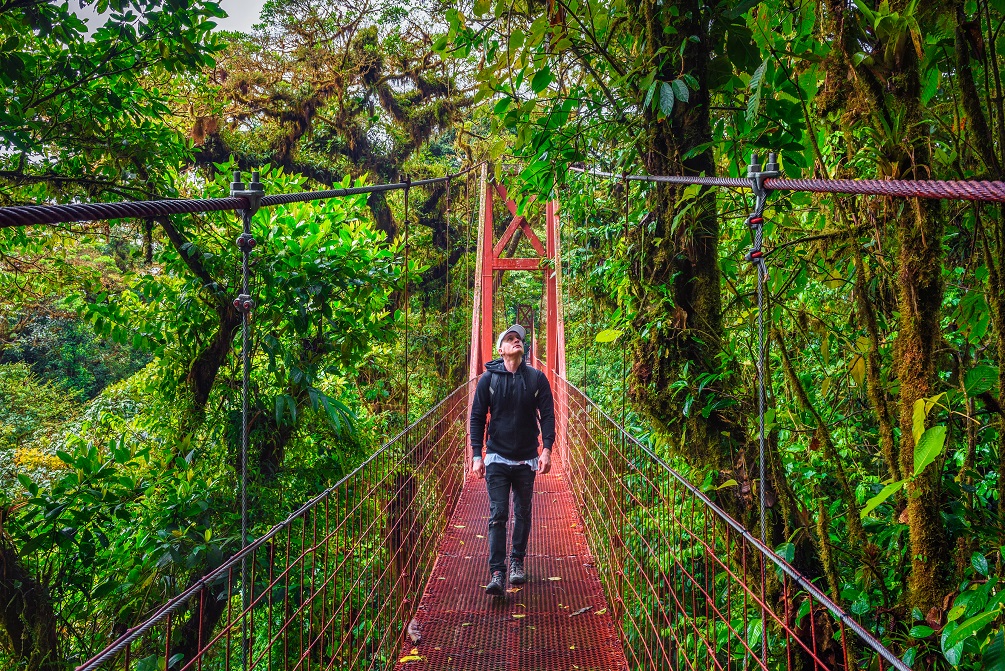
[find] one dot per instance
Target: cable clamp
(757, 175)
(253, 192)
(245, 242)
(244, 303)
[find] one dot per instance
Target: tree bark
(685, 257)
(26, 615)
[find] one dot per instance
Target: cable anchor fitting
(253, 192)
(755, 220)
(244, 303)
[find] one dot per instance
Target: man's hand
(478, 468)
(544, 462)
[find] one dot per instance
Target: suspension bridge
(630, 566)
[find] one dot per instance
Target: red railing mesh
(334, 585)
(691, 589)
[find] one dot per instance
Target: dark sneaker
(497, 585)
(517, 576)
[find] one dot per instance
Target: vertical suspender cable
(586, 227)
(245, 384)
(756, 256)
(467, 245)
(624, 354)
(447, 217)
(244, 304)
(450, 310)
(408, 184)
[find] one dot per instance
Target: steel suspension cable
(982, 190)
(28, 215)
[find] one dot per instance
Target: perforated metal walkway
(539, 627)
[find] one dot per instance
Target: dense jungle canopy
(119, 358)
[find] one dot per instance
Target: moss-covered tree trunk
(888, 87)
(679, 262)
(919, 229)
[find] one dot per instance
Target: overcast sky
(241, 14)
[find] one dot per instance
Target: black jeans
(500, 479)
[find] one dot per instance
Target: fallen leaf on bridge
(555, 578)
(601, 611)
(581, 611)
(517, 616)
(514, 590)
(414, 656)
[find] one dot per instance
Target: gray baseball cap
(517, 329)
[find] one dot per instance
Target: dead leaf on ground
(514, 590)
(413, 633)
(582, 610)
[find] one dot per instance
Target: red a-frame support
(490, 259)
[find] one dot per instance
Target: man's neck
(512, 362)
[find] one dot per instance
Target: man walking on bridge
(517, 398)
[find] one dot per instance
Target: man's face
(511, 344)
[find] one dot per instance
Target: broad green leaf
(728, 483)
(930, 85)
(666, 98)
(954, 652)
(918, 420)
(929, 448)
(858, 370)
(980, 379)
(922, 407)
(969, 628)
(994, 653)
(921, 631)
(607, 335)
(481, 7)
(541, 79)
(883, 495)
(756, 83)
(649, 94)
(980, 563)
(680, 90)
(740, 48)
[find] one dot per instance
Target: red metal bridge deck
(540, 625)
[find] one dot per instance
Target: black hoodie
(515, 401)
